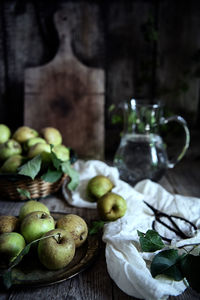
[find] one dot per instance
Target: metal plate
(30, 271)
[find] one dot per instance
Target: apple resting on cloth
(31, 206)
(58, 251)
(98, 186)
(11, 244)
(35, 224)
(111, 207)
(76, 226)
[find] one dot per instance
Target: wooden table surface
(95, 283)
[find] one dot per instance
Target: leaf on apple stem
(96, 227)
(7, 275)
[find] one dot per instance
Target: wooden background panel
(121, 40)
(179, 44)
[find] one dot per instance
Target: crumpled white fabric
(126, 264)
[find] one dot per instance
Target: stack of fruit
(58, 239)
(25, 143)
(110, 206)
(26, 152)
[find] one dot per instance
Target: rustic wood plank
(69, 95)
(178, 42)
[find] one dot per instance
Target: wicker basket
(37, 188)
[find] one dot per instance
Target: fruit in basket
(76, 226)
(43, 149)
(8, 224)
(58, 251)
(62, 152)
(11, 244)
(5, 133)
(35, 224)
(24, 133)
(31, 206)
(52, 135)
(9, 148)
(98, 186)
(31, 142)
(12, 164)
(111, 207)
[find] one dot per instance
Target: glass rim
(145, 102)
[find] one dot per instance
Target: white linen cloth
(127, 265)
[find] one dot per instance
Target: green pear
(12, 164)
(62, 152)
(76, 226)
(31, 142)
(24, 133)
(111, 206)
(98, 186)
(52, 135)
(8, 224)
(10, 148)
(39, 148)
(5, 133)
(56, 252)
(31, 206)
(11, 244)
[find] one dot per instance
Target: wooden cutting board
(67, 95)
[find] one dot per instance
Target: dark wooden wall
(146, 47)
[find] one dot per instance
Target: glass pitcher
(142, 152)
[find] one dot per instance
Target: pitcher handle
(182, 122)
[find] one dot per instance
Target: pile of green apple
(26, 143)
(35, 222)
(110, 206)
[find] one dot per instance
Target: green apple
(111, 207)
(9, 148)
(76, 226)
(5, 133)
(31, 142)
(31, 206)
(24, 133)
(40, 148)
(35, 224)
(12, 164)
(11, 244)
(52, 135)
(62, 152)
(56, 252)
(8, 224)
(98, 186)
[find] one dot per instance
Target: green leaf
(190, 266)
(73, 174)
(111, 107)
(7, 275)
(151, 241)
(31, 168)
(167, 262)
(52, 175)
(96, 226)
(56, 161)
(24, 193)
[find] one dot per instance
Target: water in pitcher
(141, 156)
